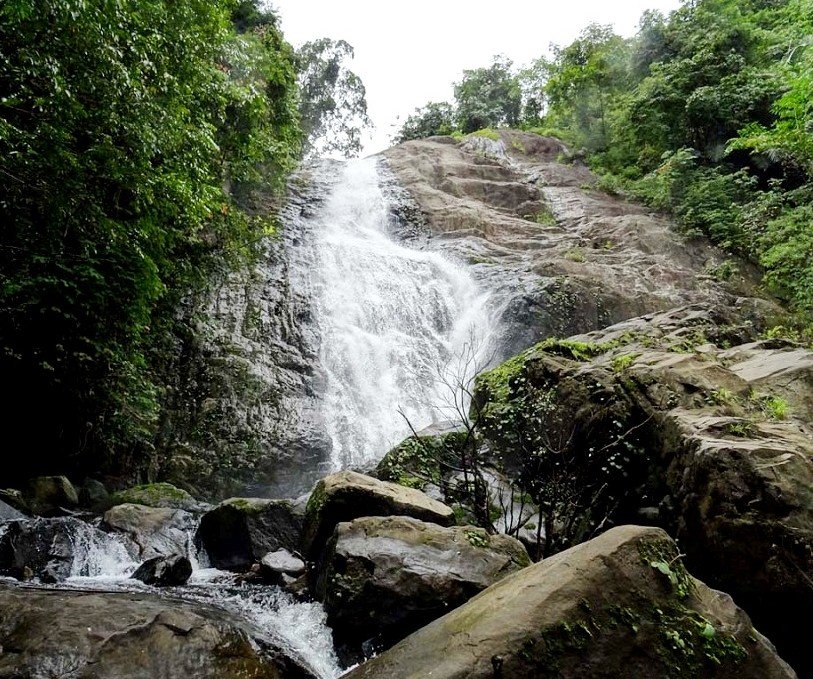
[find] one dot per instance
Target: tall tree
(333, 103)
(488, 97)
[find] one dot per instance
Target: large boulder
(155, 531)
(240, 531)
(100, 635)
(621, 605)
(53, 549)
(51, 496)
(385, 577)
(348, 495)
(689, 419)
(164, 571)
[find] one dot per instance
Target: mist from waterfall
(392, 320)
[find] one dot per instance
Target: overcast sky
(409, 53)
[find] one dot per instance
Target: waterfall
(399, 326)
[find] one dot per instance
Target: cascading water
(399, 327)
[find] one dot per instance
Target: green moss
(477, 538)
(621, 362)
(317, 499)
(574, 350)
(486, 132)
(574, 255)
(418, 461)
(497, 383)
(152, 495)
(663, 556)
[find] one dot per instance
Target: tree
(122, 125)
(488, 97)
(333, 103)
(433, 119)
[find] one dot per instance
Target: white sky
(409, 53)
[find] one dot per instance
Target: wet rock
(156, 531)
(8, 513)
(14, 498)
(385, 577)
(98, 635)
(348, 495)
(51, 495)
(619, 605)
(240, 531)
(559, 257)
(49, 549)
(281, 567)
(164, 571)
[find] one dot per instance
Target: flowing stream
(401, 328)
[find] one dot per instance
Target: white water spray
(392, 319)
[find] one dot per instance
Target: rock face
(240, 531)
(560, 258)
(243, 415)
(129, 636)
(8, 513)
(619, 605)
(156, 531)
(693, 422)
(51, 495)
(48, 549)
(384, 577)
(348, 495)
(164, 571)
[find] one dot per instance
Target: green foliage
(433, 119)
(122, 125)
(333, 100)
(488, 97)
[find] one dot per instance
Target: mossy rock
(422, 460)
(163, 495)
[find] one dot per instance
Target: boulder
(8, 513)
(94, 496)
(52, 549)
(274, 566)
(51, 495)
(385, 577)
(164, 571)
(621, 605)
(240, 531)
(156, 531)
(14, 498)
(348, 495)
(163, 495)
(99, 635)
(678, 427)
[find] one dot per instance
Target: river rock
(100, 635)
(275, 565)
(240, 531)
(48, 549)
(621, 605)
(51, 495)
(348, 495)
(156, 531)
(94, 496)
(14, 498)
(385, 577)
(164, 571)
(8, 513)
